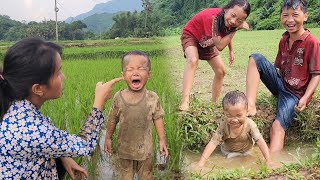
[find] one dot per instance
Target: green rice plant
(197, 125)
(162, 85)
(69, 112)
(111, 49)
(316, 154)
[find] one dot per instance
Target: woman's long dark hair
(28, 62)
(220, 21)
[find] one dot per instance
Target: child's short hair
(135, 52)
(233, 98)
(294, 4)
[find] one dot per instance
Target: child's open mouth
(136, 83)
(290, 26)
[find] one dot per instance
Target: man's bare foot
(252, 110)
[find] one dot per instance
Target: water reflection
(105, 170)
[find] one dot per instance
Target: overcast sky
(39, 10)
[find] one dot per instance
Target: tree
(146, 4)
(5, 24)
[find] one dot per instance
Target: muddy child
(294, 76)
(136, 109)
(237, 134)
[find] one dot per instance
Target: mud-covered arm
(264, 149)
(158, 124)
(211, 146)
(113, 119)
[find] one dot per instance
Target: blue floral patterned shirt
(29, 141)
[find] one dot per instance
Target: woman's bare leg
(217, 66)
(252, 85)
(192, 56)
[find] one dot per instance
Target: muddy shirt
(297, 64)
(242, 143)
(135, 134)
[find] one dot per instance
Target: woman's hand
(73, 168)
(103, 92)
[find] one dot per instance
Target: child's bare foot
(273, 165)
(252, 110)
(184, 107)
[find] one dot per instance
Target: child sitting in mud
(136, 109)
(237, 134)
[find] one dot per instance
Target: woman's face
(54, 88)
(234, 17)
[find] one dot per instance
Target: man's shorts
(273, 81)
(207, 53)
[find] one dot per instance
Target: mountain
(99, 22)
(110, 7)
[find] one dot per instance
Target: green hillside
(99, 22)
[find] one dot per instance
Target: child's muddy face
(235, 115)
(136, 72)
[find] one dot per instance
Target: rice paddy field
(87, 62)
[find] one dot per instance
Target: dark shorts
(273, 81)
(207, 53)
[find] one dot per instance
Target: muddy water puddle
(217, 161)
(106, 169)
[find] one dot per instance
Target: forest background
(158, 18)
